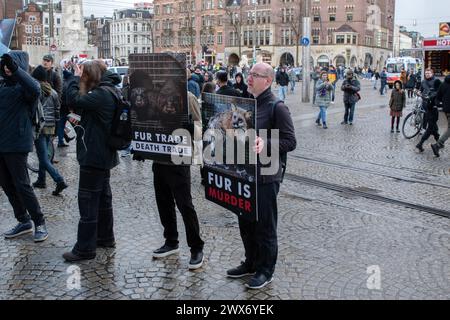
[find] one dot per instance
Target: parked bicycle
(413, 122)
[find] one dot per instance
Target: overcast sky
(417, 15)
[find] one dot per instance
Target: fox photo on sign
(159, 108)
(229, 159)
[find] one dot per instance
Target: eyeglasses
(256, 75)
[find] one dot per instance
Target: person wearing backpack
(260, 237)
(96, 104)
(18, 99)
(51, 106)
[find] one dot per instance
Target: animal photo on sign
(226, 124)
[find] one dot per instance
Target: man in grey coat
(18, 99)
(351, 87)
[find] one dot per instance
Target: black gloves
(8, 61)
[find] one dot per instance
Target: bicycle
(33, 160)
(414, 121)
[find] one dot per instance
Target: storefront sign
(443, 44)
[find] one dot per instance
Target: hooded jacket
(443, 95)
(97, 111)
(18, 100)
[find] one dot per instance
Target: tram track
(368, 171)
(365, 194)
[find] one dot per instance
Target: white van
(394, 68)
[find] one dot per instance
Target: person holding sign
(172, 185)
(260, 237)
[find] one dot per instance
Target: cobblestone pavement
(329, 241)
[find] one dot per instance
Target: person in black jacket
(240, 85)
(51, 105)
(224, 88)
(89, 96)
(282, 80)
(443, 98)
(18, 100)
(53, 77)
(431, 115)
(260, 237)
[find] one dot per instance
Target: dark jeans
(96, 212)
(60, 125)
(383, 87)
(260, 237)
(432, 130)
(45, 164)
(173, 186)
(349, 112)
(15, 182)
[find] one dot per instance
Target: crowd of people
(87, 89)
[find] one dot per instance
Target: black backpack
(283, 155)
(121, 132)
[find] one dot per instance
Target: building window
(219, 38)
(350, 17)
(315, 39)
(128, 38)
(32, 19)
(37, 29)
(29, 41)
(332, 17)
(58, 20)
(316, 18)
(46, 20)
(135, 50)
(349, 39)
(28, 28)
(135, 27)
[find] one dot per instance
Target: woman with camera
(94, 102)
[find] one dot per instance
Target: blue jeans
(60, 125)
(322, 114)
(44, 162)
(382, 87)
(292, 85)
(282, 92)
(349, 112)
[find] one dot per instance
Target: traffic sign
(304, 41)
